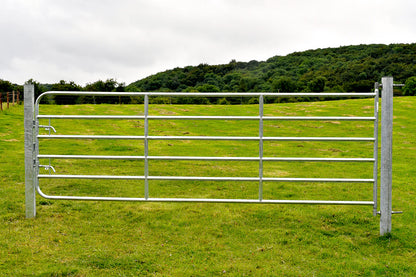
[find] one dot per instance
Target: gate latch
(47, 167)
(48, 127)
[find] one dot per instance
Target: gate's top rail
(213, 94)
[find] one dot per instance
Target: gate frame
(31, 163)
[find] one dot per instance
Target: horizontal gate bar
(205, 200)
(196, 178)
(287, 159)
(212, 94)
(317, 118)
(207, 138)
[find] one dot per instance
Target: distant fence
(32, 155)
(9, 98)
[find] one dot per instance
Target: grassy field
(75, 238)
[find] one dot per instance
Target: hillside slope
(348, 68)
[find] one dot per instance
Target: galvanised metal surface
(30, 200)
(204, 200)
(163, 117)
(193, 158)
(375, 148)
(196, 178)
(146, 157)
(261, 109)
(211, 94)
(205, 138)
(146, 146)
(287, 159)
(386, 170)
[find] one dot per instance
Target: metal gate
(33, 138)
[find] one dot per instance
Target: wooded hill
(348, 68)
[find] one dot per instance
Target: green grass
(75, 238)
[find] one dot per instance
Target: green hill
(348, 68)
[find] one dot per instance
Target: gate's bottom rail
(204, 200)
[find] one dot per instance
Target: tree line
(109, 85)
(342, 69)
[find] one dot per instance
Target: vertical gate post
(386, 155)
(30, 192)
(261, 113)
(146, 147)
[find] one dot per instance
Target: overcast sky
(88, 40)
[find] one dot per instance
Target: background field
(73, 238)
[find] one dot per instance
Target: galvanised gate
(32, 155)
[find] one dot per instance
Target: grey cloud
(86, 40)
